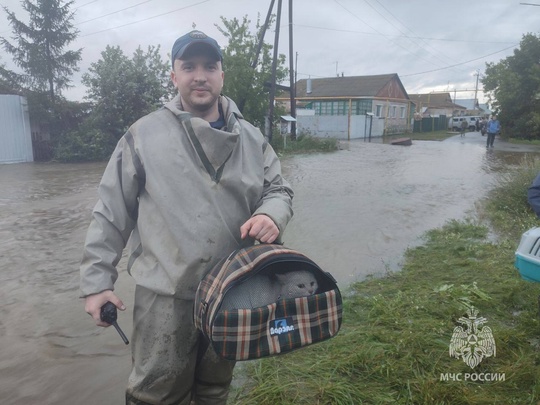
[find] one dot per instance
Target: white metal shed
(15, 134)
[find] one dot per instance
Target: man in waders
(186, 185)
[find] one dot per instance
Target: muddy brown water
(356, 211)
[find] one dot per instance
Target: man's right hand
(94, 302)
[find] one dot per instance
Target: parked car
(454, 123)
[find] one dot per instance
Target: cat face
(299, 283)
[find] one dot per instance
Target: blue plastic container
(528, 255)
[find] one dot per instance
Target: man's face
(199, 80)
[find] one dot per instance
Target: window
(342, 108)
(379, 110)
(394, 108)
(361, 107)
(402, 114)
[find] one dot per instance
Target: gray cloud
(353, 37)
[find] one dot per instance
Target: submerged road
(356, 211)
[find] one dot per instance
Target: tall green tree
(244, 84)
(124, 89)
(120, 90)
(39, 46)
(8, 83)
(513, 87)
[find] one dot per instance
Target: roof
(435, 100)
(469, 103)
(347, 86)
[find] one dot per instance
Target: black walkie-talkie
(109, 315)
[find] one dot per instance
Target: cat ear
(280, 277)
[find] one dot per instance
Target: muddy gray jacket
(179, 191)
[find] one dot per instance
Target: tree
(39, 47)
(8, 82)
(242, 82)
(121, 90)
(513, 87)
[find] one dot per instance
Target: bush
(84, 146)
(304, 143)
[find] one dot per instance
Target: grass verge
(303, 144)
(393, 347)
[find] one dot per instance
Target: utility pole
(242, 102)
(292, 80)
(270, 118)
(269, 122)
(476, 90)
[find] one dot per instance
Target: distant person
(483, 126)
(493, 128)
(533, 195)
(464, 126)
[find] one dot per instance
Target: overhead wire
(402, 36)
(374, 29)
(81, 6)
(145, 19)
(422, 44)
(401, 32)
(462, 63)
(113, 12)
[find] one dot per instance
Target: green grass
(394, 342)
(303, 144)
(522, 141)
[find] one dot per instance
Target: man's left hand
(261, 228)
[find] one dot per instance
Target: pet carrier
(278, 327)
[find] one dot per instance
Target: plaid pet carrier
(277, 328)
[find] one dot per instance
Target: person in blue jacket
(493, 128)
(533, 195)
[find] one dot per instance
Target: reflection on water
(355, 212)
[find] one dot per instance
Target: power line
(462, 63)
(423, 44)
(145, 19)
(380, 33)
(114, 12)
(400, 36)
(85, 4)
(433, 70)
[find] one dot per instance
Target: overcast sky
(433, 45)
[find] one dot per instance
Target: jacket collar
(213, 146)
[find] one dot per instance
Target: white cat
(261, 289)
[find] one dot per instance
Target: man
(464, 126)
(483, 126)
(493, 128)
(187, 185)
(533, 195)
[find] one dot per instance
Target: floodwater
(356, 211)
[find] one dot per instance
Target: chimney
(308, 86)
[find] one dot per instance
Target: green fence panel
(430, 124)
